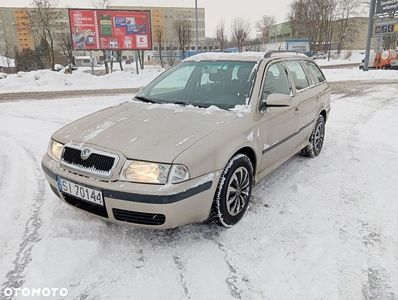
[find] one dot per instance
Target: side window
(298, 74)
(315, 71)
(276, 81)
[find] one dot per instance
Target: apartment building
(15, 30)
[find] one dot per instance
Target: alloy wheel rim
(238, 191)
(319, 134)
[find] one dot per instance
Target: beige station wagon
(191, 145)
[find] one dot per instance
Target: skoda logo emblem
(85, 153)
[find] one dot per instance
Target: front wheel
(316, 139)
(233, 192)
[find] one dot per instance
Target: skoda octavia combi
(191, 145)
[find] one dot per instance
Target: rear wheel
(316, 139)
(233, 192)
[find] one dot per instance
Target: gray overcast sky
(216, 10)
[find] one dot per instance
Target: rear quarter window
(299, 76)
(316, 72)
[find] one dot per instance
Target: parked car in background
(58, 67)
(191, 145)
(319, 55)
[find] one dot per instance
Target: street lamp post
(197, 34)
(369, 36)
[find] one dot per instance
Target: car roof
(248, 56)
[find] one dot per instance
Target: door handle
(297, 111)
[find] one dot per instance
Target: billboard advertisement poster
(110, 29)
(386, 6)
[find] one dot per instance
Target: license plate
(80, 191)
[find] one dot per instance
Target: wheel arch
(249, 152)
(323, 114)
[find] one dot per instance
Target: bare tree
(183, 29)
(141, 57)
(170, 57)
(66, 45)
(264, 26)
(44, 19)
(240, 30)
(8, 52)
(346, 28)
(221, 35)
(312, 19)
(158, 37)
(211, 43)
(101, 3)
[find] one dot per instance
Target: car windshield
(224, 84)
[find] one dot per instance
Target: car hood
(152, 132)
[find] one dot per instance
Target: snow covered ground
(323, 228)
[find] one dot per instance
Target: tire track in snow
(181, 266)
(15, 277)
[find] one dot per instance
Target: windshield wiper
(188, 103)
(145, 99)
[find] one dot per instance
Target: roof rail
(270, 53)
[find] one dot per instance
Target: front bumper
(141, 205)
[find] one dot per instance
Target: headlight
(149, 172)
(145, 172)
(55, 150)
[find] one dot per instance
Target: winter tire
(316, 139)
(233, 192)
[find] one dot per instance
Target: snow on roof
(6, 62)
(242, 56)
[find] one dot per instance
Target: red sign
(110, 29)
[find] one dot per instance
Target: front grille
(97, 163)
(138, 217)
(86, 206)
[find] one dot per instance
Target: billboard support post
(369, 37)
(92, 62)
(136, 61)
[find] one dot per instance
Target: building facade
(15, 30)
(355, 39)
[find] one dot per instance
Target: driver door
(278, 125)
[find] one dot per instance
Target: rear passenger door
(306, 96)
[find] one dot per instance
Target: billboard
(386, 6)
(299, 45)
(94, 29)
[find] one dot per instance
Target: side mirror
(276, 100)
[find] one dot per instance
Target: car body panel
(139, 128)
